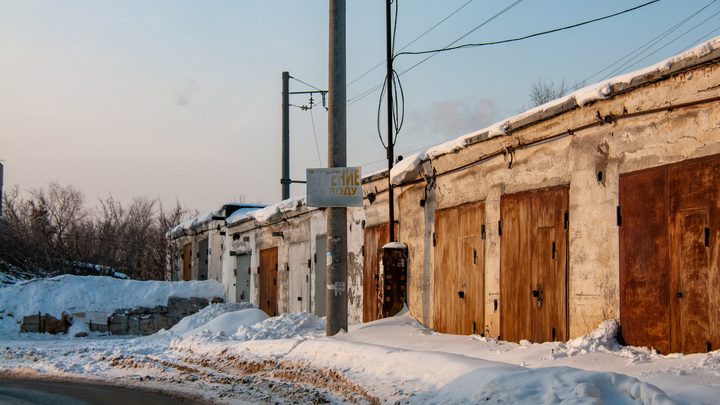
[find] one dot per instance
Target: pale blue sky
(182, 98)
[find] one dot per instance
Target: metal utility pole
(337, 318)
(390, 146)
(285, 180)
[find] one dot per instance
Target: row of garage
(604, 204)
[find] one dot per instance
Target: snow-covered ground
(234, 353)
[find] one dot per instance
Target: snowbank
(88, 293)
(206, 315)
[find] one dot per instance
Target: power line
(474, 45)
(702, 38)
(682, 35)
(434, 52)
(309, 85)
(412, 42)
(372, 90)
(315, 133)
(648, 45)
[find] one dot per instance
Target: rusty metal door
(187, 261)
(669, 220)
(459, 270)
(533, 265)
(644, 253)
(690, 313)
(694, 200)
(268, 280)
(375, 237)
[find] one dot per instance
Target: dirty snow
(234, 353)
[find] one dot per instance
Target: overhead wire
(309, 85)
(449, 47)
(667, 44)
(702, 38)
(317, 147)
(504, 41)
(366, 93)
(645, 47)
(312, 117)
(413, 41)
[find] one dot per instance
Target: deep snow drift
(234, 353)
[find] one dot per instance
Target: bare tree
(544, 91)
(52, 233)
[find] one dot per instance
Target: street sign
(334, 187)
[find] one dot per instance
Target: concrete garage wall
(585, 147)
(292, 224)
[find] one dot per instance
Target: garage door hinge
(567, 219)
(482, 231)
(500, 227)
(553, 250)
(315, 256)
(309, 263)
(619, 215)
(474, 256)
(434, 240)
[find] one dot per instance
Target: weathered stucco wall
(588, 160)
(299, 227)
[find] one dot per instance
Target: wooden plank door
(533, 265)
(446, 272)
(187, 262)
(375, 237)
(516, 298)
(459, 270)
(471, 277)
(242, 278)
(299, 277)
(549, 258)
(268, 281)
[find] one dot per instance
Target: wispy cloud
(450, 119)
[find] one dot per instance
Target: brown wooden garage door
(187, 261)
(459, 270)
(669, 221)
(268, 280)
(533, 265)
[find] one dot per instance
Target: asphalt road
(27, 392)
